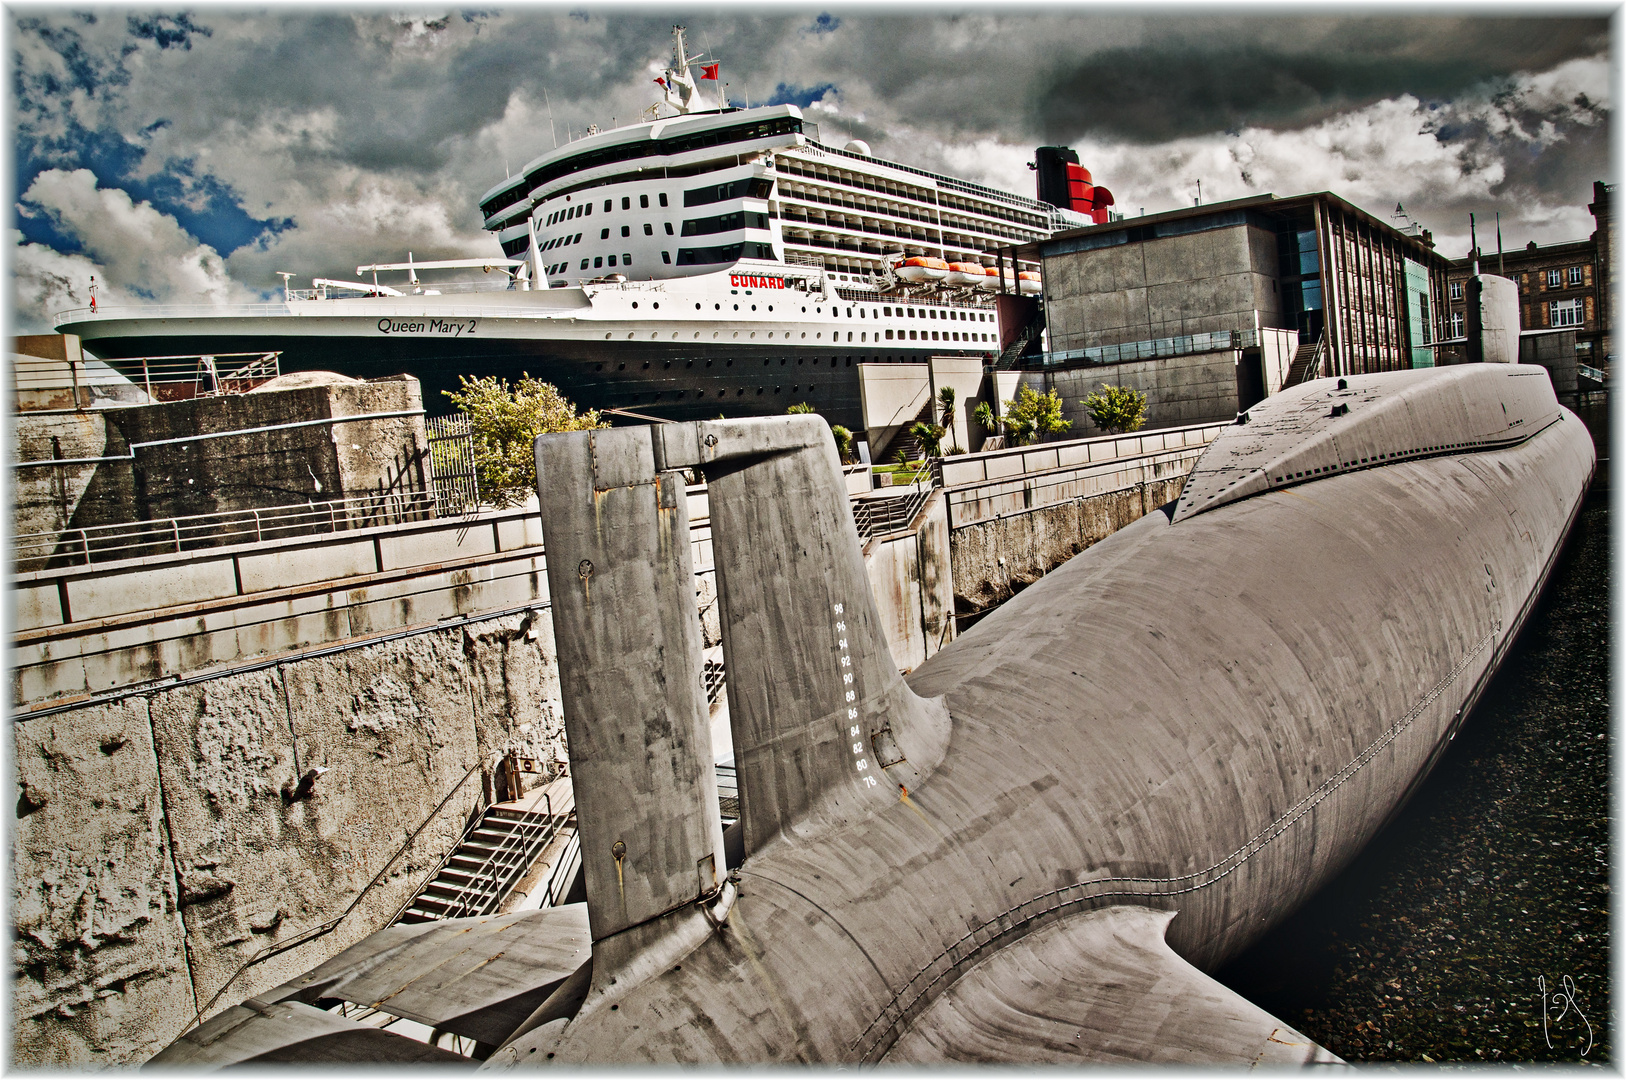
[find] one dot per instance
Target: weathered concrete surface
(99, 963)
(155, 848)
(1196, 389)
(44, 498)
(994, 560)
(909, 576)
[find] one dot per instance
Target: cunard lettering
(752, 281)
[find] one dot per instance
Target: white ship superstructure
(685, 266)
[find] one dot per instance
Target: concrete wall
(893, 396)
(910, 577)
(155, 850)
(997, 558)
(1196, 389)
(1167, 287)
(258, 469)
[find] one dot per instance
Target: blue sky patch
(785, 94)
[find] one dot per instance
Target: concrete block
(455, 541)
(34, 606)
(519, 532)
(302, 565)
(101, 595)
(100, 975)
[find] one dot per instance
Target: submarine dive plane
(1033, 847)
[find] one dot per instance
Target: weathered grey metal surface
(478, 977)
(1492, 320)
(1359, 422)
(817, 708)
(636, 715)
(1099, 987)
(1211, 716)
(290, 1032)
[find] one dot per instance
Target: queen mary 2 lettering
(713, 261)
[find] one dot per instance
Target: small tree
(945, 405)
(1117, 409)
(1033, 414)
(844, 443)
(505, 422)
(801, 407)
(984, 415)
(929, 436)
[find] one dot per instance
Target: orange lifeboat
(921, 269)
(1028, 283)
(966, 274)
(990, 278)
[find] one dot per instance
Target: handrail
(494, 867)
(310, 934)
(551, 895)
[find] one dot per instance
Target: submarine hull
(1207, 714)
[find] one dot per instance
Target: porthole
(635, 305)
(697, 307)
(753, 334)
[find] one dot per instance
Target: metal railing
(311, 933)
(451, 458)
(501, 869)
(1157, 348)
(137, 539)
(163, 378)
(875, 517)
(564, 869)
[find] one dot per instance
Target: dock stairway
(1306, 363)
(1013, 352)
(486, 865)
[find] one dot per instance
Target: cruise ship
(709, 261)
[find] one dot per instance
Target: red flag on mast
(661, 81)
(709, 71)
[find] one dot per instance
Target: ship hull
(674, 369)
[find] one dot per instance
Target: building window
(666, 256)
(1555, 278)
(1454, 325)
(612, 260)
(1567, 312)
(1575, 275)
(626, 230)
(663, 198)
(649, 230)
(668, 228)
(598, 262)
(607, 205)
(584, 264)
(626, 260)
(604, 234)
(1456, 290)
(1422, 311)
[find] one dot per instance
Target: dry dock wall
(155, 847)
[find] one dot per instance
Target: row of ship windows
(705, 256)
(740, 219)
(862, 336)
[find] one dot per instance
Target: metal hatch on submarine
(1033, 847)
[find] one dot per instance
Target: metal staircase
(486, 865)
(1013, 351)
(1306, 362)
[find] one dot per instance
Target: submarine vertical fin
(824, 727)
(621, 579)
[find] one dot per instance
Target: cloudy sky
(187, 154)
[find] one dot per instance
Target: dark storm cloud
(1199, 79)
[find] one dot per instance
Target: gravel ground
(1493, 884)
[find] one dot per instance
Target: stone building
(1561, 286)
(1210, 308)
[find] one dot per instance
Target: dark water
(1493, 884)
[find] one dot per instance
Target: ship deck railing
(361, 289)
